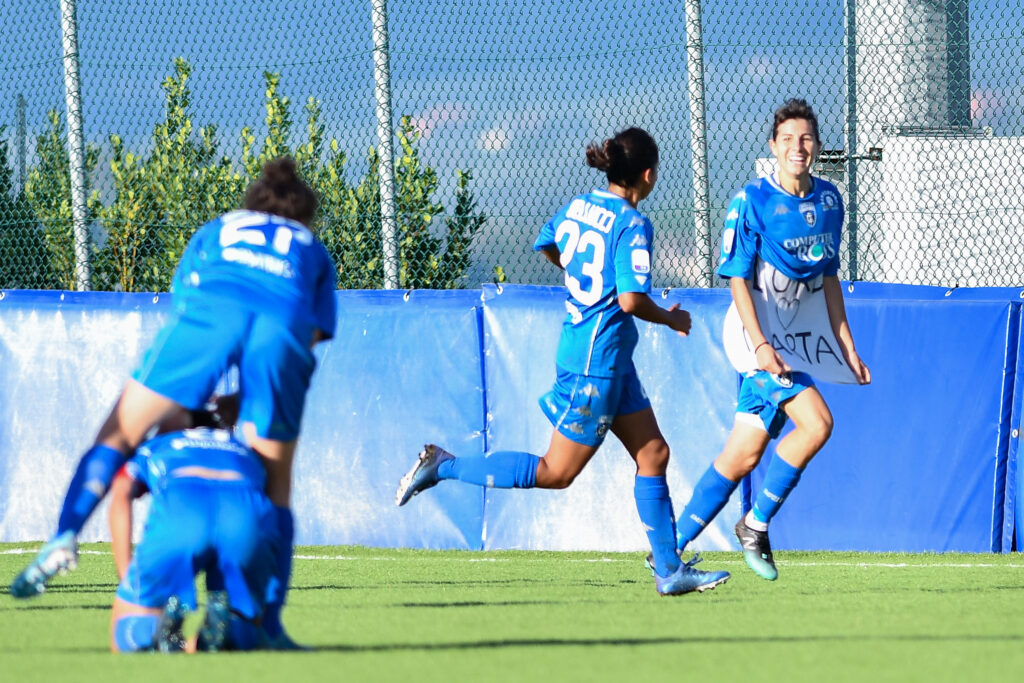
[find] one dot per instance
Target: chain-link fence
(442, 138)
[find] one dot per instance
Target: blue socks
(95, 472)
(780, 479)
(709, 497)
(277, 588)
(135, 633)
(497, 470)
(655, 508)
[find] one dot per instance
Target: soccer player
(604, 245)
(208, 513)
(787, 225)
(254, 289)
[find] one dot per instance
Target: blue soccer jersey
(799, 236)
(605, 246)
(263, 263)
(167, 457)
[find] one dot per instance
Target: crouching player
(209, 513)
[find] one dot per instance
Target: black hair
(795, 109)
(625, 156)
(281, 192)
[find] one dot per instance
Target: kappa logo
(639, 241)
(780, 210)
(591, 391)
(584, 411)
(574, 313)
(732, 215)
(575, 428)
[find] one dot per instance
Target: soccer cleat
(757, 551)
(423, 475)
(213, 633)
(686, 579)
(59, 556)
(168, 637)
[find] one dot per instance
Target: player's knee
(653, 457)
(819, 430)
(551, 478)
(134, 633)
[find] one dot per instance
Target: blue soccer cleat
(168, 636)
(686, 579)
(214, 630)
(59, 556)
(757, 551)
(423, 475)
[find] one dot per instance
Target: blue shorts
(762, 394)
(582, 408)
(227, 529)
(199, 344)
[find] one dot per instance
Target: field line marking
(786, 563)
(887, 565)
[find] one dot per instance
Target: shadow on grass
(635, 642)
(36, 607)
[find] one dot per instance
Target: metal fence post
(698, 139)
(76, 144)
(850, 133)
(21, 147)
(385, 134)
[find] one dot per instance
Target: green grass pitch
(416, 616)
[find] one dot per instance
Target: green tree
(48, 190)
(161, 197)
(24, 260)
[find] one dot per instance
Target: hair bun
(280, 171)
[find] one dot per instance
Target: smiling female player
(787, 225)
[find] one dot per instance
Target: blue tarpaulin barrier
(923, 459)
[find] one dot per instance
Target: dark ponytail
(624, 157)
(281, 192)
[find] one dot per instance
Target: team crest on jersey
(783, 380)
(641, 259)
(604, 423)
(807, 210)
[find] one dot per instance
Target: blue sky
(511, 90)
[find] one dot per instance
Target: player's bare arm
(642, 306)
(841, 328)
